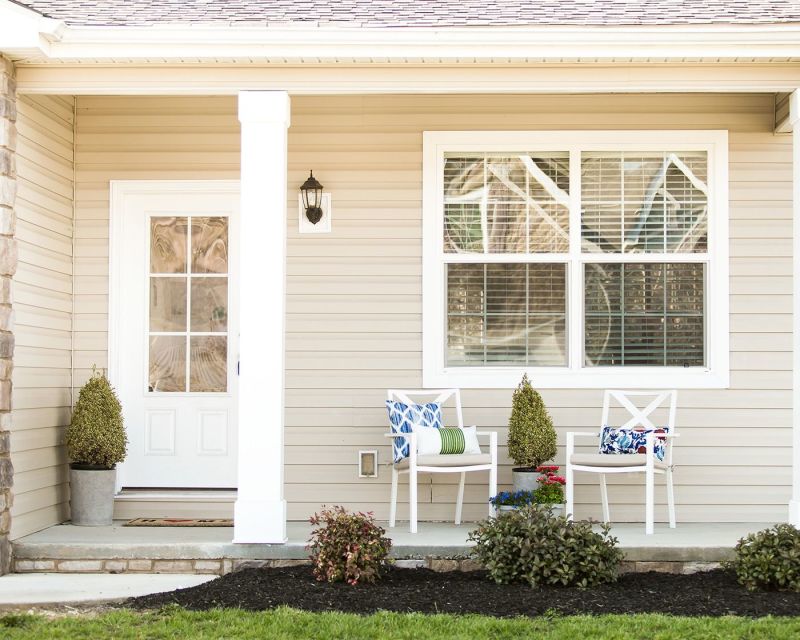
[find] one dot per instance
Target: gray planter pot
(557, 509)
(92, 496)
(525, 480)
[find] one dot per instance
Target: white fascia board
(25, 33)
(404, 44)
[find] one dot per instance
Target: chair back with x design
(641, 418)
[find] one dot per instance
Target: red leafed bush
(348, 547)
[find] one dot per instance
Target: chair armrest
(412, 444)
(571, 441)
(492, 444)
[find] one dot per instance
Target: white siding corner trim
(794, 118)
(714, 374)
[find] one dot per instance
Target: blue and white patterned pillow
(403, 418)
(631, 441)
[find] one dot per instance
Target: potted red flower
(551, 488)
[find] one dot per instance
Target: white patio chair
(415, 464)
(646, 463)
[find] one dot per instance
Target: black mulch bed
(714, 593)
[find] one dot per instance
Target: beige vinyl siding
(354, 296)
(43, 310)
(782, 111)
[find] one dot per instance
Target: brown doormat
(179, 522)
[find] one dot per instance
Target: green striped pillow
(452, 440)
(447, 441)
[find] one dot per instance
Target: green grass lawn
(289, 624)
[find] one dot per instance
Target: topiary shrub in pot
(769, 559)
(96, 443)
(534, 546)
(531, 436)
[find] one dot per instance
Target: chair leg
(649, 491)
(412, 500)
(604, 498)
(492, 489)
(671, 499)
(460, 500)
(570, 492)
(393, 499)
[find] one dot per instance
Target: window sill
(562, 378)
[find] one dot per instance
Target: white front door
(174, 337)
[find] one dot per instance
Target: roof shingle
(416, 13)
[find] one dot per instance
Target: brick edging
(222, 566)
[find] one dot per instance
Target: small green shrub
(531, 436)
(348, 547)
(533, 546)
(96, 435)
(768, 559)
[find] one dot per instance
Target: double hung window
(584, 258)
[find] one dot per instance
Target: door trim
(119, 192)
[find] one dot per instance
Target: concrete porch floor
(689, 542)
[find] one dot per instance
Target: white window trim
(434, 322)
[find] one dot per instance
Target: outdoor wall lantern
(315, 207)
(312, 199)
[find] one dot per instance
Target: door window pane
(209, 304)
(168, 304)
(210, 245)
(209, 368)
(191, 304)
(167, 370)
(168, 245)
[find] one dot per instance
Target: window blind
(639, 314)
(506, 204)
(506, 314)
(644, 202)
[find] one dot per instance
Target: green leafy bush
(533, 546)
(769, 559)
(96, 435)
(348, 547)
(531, 436)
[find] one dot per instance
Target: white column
(260, 511)
(794, 504)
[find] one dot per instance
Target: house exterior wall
(354, 296)
(43, 308)
(8, 265)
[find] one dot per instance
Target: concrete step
(120, 549)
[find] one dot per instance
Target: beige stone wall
(8, 265)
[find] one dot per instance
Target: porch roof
(420, 13)
(389, 32)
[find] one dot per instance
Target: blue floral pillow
(403, 418)
(631, 441)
